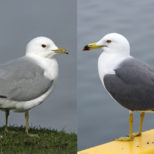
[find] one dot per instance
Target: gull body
(51, 74)
(27, 81)
(129, 81)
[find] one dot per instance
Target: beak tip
(86, 48)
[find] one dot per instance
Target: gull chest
(107, 63)
(51, 69)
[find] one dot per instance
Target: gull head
(43, 47)
(113, 43)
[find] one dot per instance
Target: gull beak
(61, 50)
(92, 46)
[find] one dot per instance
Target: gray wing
(23, 80)
(132, 85)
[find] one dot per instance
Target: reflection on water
(100, 118)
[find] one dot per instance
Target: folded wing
(23, 80)
(132, 85)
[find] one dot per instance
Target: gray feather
(23, 80)
(132, 85)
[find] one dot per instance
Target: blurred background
(21, 21)
(100, 119)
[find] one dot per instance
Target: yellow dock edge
(141, 145)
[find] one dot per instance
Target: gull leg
(130, 137)
(26, 121)
(27, 125)
(6, 120)
(142, 114)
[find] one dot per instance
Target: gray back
(23, 80)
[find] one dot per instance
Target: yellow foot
(33, 135)
(136, 134)
(125, 139)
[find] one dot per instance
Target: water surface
(100, 119)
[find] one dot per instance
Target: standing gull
(27, 81)
(129, 81)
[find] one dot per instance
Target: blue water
(100, 119)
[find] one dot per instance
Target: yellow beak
(61, 50)
(92, 46)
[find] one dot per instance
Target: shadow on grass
(49, 142)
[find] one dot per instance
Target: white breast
(107, 63)
(49, 65)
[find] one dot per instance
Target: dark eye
(44, 46)
(108, 41)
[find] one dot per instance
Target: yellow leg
(130, 137)
(142, 114)
(27, 125)
(6, 120)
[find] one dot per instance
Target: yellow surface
(140, 145)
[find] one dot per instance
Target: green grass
(49, 141)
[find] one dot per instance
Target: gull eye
(43, 46)
(108, 41)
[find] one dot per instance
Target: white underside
(146, 111)
(22, 106)
(50, 67)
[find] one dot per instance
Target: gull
(27, 81)
(129, 81)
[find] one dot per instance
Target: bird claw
(125, 139)
(136, 134)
